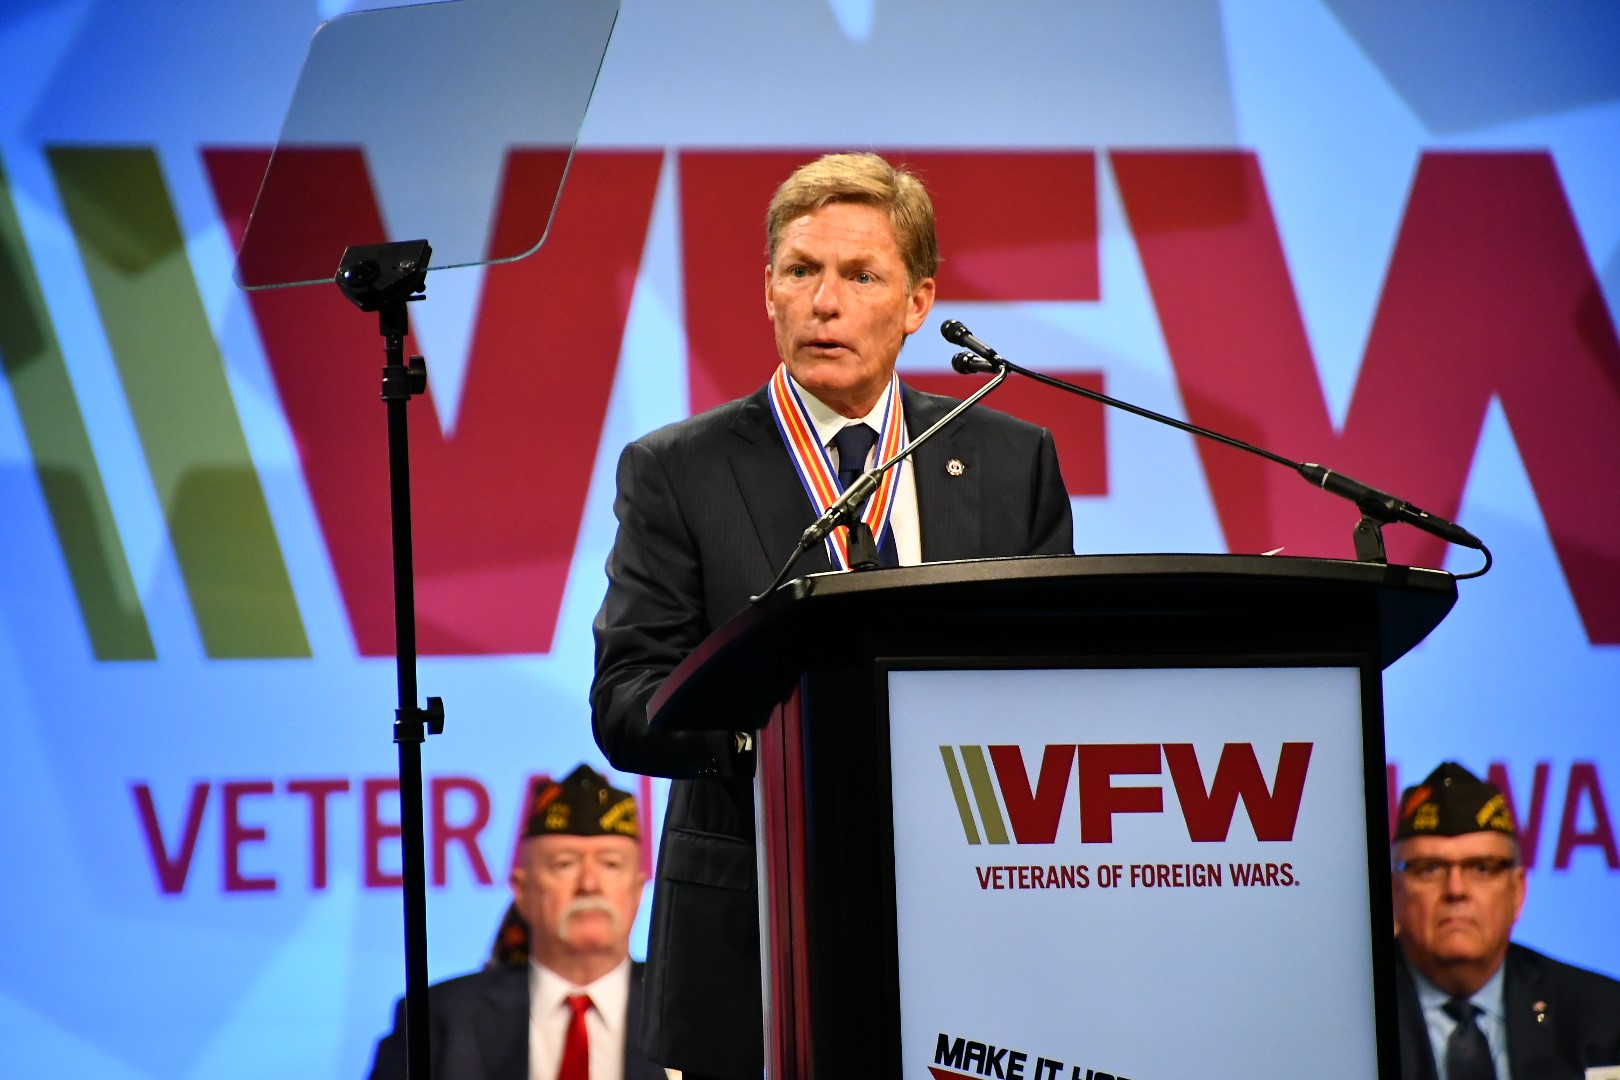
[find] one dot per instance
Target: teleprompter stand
(384, 278)
(426, 105)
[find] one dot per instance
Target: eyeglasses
(1477, 871)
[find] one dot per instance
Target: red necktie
(576, 1056)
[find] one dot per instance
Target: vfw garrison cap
(1451, 801)
(583, 804)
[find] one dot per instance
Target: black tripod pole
(409, 727)
(384, 279)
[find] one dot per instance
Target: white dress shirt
(549, 1015)
(903, 517)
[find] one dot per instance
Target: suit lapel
(949, 497)
(505, 1024)
(771, 490)
(1532, 1019)
(1417, 1059)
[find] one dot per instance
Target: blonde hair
(861, 178)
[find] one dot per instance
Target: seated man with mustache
(560, 998)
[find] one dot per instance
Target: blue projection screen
(1383, 237)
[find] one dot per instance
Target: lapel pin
(1541, 1011)
(955, 467)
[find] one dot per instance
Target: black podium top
(1144, 605)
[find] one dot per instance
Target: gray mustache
(584, 904)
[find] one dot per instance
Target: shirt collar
(610, 995)
(1488, 998)
(829, 422)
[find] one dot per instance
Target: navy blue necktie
(1468, 1055)
(853, 443)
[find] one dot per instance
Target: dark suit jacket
(478, 1029)
(1561, 1019)
(708, 510)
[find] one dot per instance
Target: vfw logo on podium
(977, 775)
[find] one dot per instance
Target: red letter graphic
(1100, 800)
(1583, 781)
(1034, 816)
(237, 834)
(317, 792)
(1392, 791)
(499, 503)
(445, 834)
(1489, 296)
(1273, 812)
(171, 872)
(374, 830)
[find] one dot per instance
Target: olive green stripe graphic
(66, 466)
(984, 793)
(959, 793)
(174, 380)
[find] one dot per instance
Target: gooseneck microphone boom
(1377, 507)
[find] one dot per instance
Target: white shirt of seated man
(550, 1016)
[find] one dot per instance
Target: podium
(1071, 817)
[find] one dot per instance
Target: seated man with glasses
(1472, 1005)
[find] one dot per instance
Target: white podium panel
(1136, 873)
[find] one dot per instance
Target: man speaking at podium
(710, 508)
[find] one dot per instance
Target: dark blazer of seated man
(1472, 1004)
(708, 510)
(560, 998)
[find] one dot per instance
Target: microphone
(967, 363)
(957, 334)
(1387, 507)
(845, 508)
(1377, 507)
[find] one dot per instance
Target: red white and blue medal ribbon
(815, 468)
